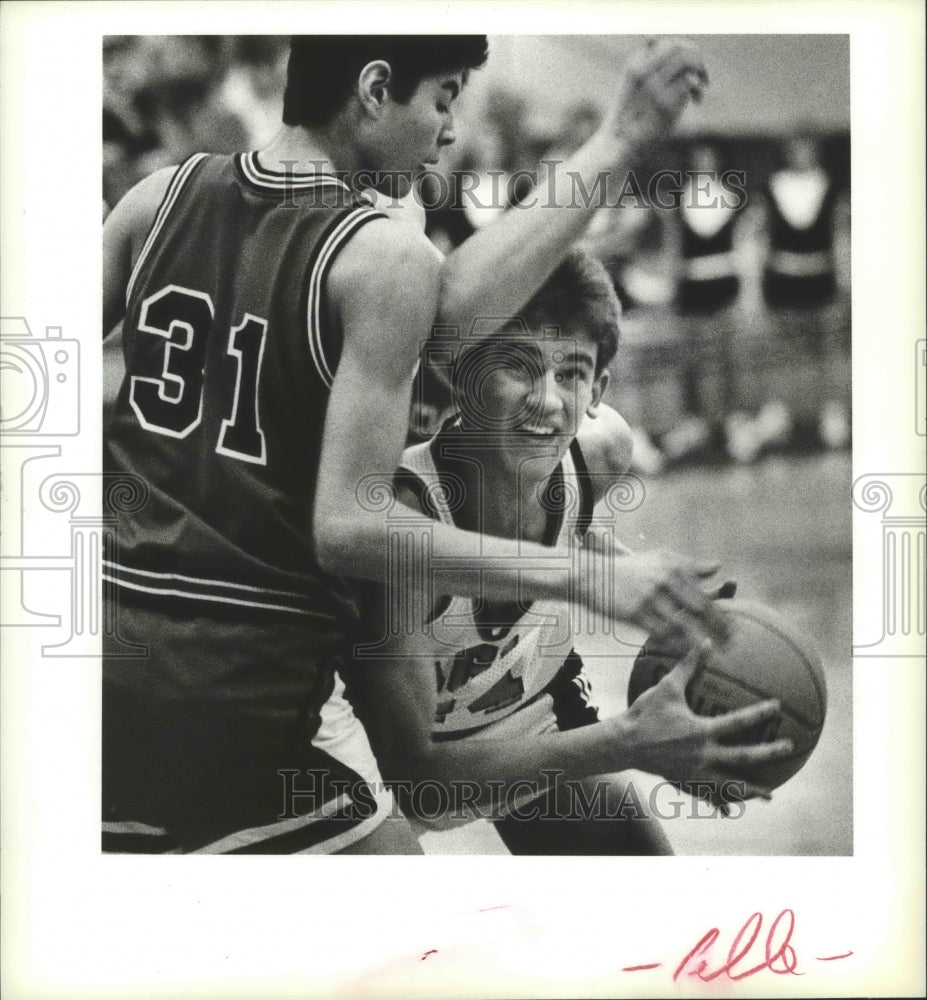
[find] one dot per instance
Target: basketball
(766, 657)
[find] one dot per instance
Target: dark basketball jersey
(800, 267)
(229, 364)
(709, 278)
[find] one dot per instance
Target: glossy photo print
(501, 457)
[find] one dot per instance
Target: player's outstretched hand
(669, 739)
(656, 87)
(658, 591)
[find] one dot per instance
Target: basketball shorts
(566, 703)
(231, 737)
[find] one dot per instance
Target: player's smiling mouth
(538, 430)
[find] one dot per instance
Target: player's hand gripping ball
(765, 657)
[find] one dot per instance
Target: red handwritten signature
(779, 955)
(745, 957)
(749, 952)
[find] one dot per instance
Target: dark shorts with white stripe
(229, 736)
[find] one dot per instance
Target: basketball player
(493, 703)
(272, 318)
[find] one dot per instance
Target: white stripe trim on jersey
(132, 826)
(170, 198)
(215, 598)
(336, 239)
(196, 579)
(418, 460)
(257, 175)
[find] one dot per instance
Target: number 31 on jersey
(171, 402)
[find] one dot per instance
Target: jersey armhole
(334, 240)
(587, 496)
(181, 175)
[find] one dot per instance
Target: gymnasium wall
(760, 84)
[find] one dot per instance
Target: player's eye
(443, 108)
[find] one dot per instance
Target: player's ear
(371, 86)
(425, 419)
(598, 391)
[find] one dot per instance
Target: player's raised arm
(499, 268)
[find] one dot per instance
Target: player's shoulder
(606, 443)
(135, 212)
(148, 194)
(384, 240)
(407, 211)
(384, 253)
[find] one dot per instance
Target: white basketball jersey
(487, 668)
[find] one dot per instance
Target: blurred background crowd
(736, 330)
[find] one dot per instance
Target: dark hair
(323, 69)
(578, 293)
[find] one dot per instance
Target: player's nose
(549, 393)
(447, 136)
